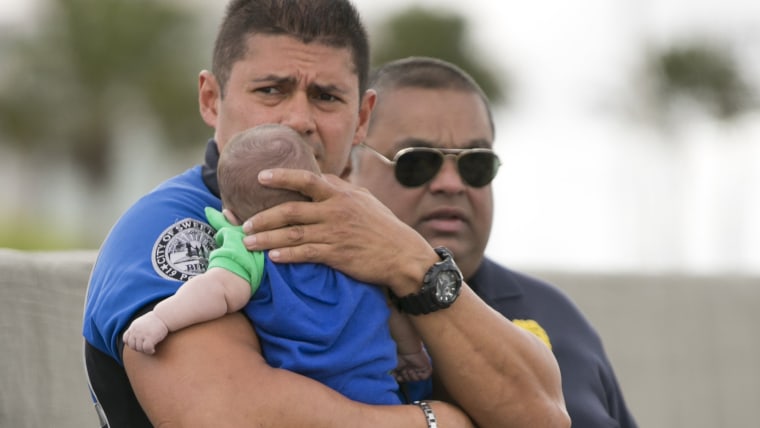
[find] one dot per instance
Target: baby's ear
(231, 217)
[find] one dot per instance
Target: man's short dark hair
(425, 73)
(333, 23)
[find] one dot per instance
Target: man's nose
(448, 179)
(299, 115)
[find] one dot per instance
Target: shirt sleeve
(231, 254)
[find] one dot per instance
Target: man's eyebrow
(412, 142)
(290, 80)
(480, 143)
(274, 78)
(328, 89)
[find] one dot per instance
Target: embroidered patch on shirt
(182, 250)
(535, 328)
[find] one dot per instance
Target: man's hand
(344, 227)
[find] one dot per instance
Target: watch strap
(425, 301)
(429, 415)
(421, 304)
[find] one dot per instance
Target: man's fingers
(281, 224)
(305, 253)
(304, 182)
(288, 213)
(283, 237)
(300, 254)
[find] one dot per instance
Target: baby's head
(251, 151)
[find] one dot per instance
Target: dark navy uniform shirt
(592, 394)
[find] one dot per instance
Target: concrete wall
(686, 349)
(42, 381)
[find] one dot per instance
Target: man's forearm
(212, 374)
(498, 373)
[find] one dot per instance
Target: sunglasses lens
(477, 169)
(417, 167)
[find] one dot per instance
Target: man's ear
(365, 112)
(209, 95)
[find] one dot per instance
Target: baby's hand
(413, 367)
(145, 333)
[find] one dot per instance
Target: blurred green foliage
(85, 65)
(27, 234)
(706, 73)
(423, 32)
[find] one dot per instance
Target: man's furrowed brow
(274, 78)
(413, 142)
(328, 89)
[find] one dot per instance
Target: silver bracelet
(429, 415)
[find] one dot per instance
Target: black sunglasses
(415, 166)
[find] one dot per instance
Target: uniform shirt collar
(493, 282)
(208, 171)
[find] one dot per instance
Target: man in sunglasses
(428, 157)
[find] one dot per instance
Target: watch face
(446, 287)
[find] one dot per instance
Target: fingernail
(247, 227)
(249, 241)
(265, 175)
(274, 254)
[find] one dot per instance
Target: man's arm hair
(213, 374)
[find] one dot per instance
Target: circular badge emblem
(182, 250)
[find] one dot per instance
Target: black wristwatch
(440, 287)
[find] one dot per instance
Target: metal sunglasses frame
(456, 153)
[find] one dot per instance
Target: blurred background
(629, 130)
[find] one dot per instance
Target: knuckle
(290, 212)
(345, 194)
(312, 179)
(310, 252)
(343, 215)
(295, 234)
